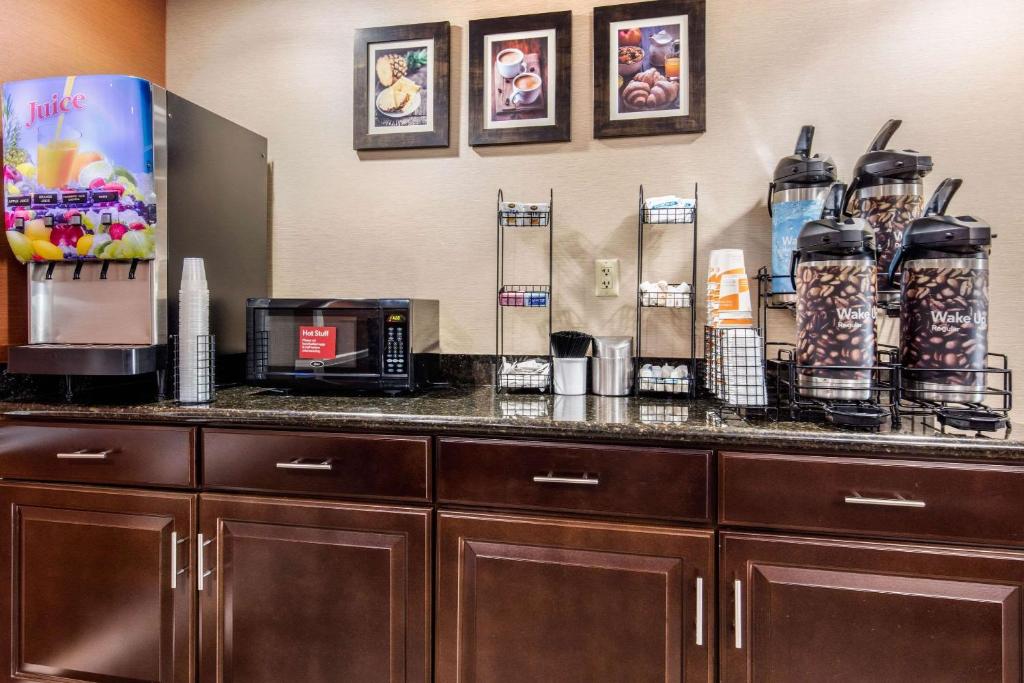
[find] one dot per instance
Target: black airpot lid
(815, 170)
(940, 232)
(800, 168)
(880, 164)
(838, 236)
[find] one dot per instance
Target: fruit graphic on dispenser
(117, 231)
(20, 245)
(36, 229)
(84, 244)
(83, 159)
(47, 251)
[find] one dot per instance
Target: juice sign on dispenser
(78, 169)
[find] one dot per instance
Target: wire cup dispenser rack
(201, 387)
(516, 297)
(676, 300)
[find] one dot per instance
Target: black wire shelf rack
(511, 296)
(647, 300)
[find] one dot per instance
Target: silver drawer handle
(897, 502)
(201, 572)
(550, 478)
(700, 611)
(737, 592)
(85, 455)
(175, 572)
(299, 465)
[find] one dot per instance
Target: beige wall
(422, 223)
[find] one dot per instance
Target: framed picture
(520, 86)
(649, 68)
(401, 86)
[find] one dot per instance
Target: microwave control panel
(396, 342)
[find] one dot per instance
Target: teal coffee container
(796, 196)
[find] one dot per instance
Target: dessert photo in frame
(649, 68)
(520, 79)
(401, 86)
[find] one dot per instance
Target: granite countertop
(478, 410)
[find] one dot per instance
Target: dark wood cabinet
(668, 483)
(530, 600)
(802, 609)
(903, 499)
(318, 464)
(315, 592)
(94, 585)
(82, 453)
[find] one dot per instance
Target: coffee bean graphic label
(835, 317)
(944, 328)
(889, 215)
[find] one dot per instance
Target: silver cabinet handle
(201, 574)
(897, 502)
(737, 592)
(175, 572)
(550, 478)
(299, 465)
(85, 455)
(700, 611)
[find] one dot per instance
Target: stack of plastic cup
(195, 366)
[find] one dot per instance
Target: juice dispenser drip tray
(86, 359)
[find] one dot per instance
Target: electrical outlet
(606, 277)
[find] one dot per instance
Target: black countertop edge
(441, 417)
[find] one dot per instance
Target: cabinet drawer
(97, 454)
(641, 482)
(905, 499)
(349, 465)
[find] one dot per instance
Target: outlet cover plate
(606, 277)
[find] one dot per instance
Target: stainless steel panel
(91, 310)
(425, 325)
(85, 359)
(217, 189)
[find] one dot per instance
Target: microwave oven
(373, 345)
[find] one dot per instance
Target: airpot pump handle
(943, 194)
(792, 267)
(803, 142)
(881, 140)
(771, 195)
(834, 202)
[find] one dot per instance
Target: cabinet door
(96, 586)
(801, 609)
(313, 591)
(524, 600)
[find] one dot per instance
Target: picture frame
(520, 79)
(649, 68)
(409, 108)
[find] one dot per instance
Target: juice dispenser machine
(109, 182)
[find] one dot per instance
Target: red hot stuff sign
(317, 343)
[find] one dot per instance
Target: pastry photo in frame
(520, 79)
(649, 68)
(401, 86)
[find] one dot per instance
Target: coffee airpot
(887, 191)
(942, 267)
(796, 195)
(833, 272)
